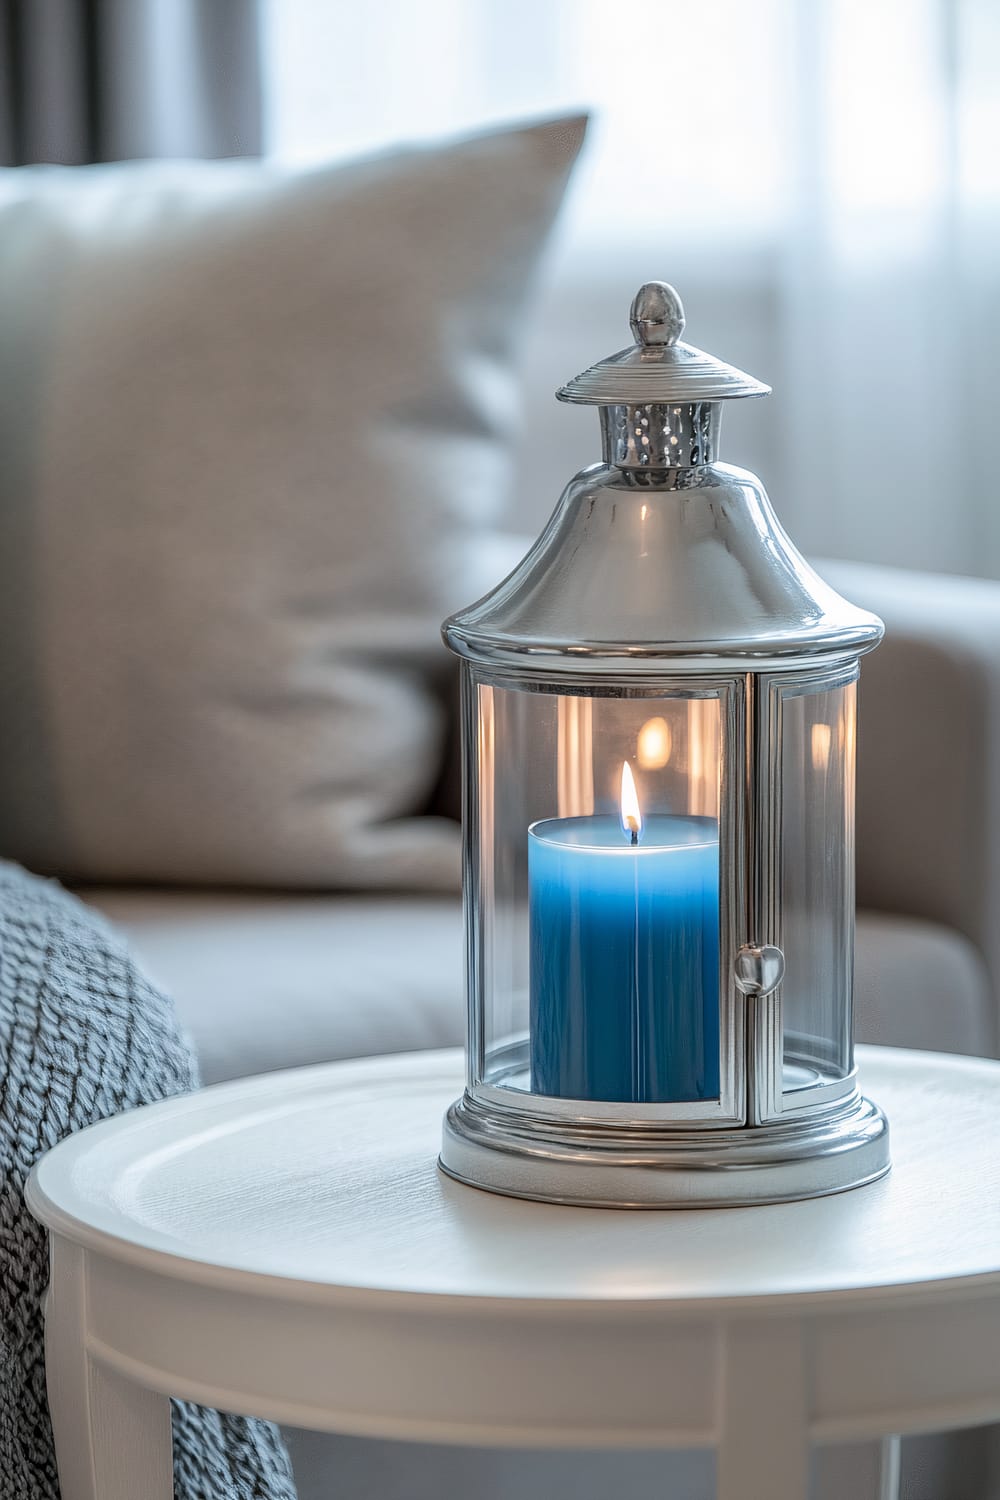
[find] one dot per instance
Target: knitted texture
(84, 1035)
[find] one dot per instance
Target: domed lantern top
(659, 727)
(658, 367)
(687, 563)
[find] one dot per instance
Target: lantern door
(802, 1035)
(604, 849)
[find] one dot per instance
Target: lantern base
(843, 1147)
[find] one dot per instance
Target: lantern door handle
(758, 970)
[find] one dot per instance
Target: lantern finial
(657, 314)
(659, 367)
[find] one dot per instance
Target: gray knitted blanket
(83, 1035)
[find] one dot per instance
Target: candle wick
(635, 836)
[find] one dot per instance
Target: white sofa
(269, 981)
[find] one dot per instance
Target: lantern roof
(660, 560)
(630, 581)
(658, 367)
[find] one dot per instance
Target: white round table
(286, 1247)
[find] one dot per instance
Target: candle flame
(631, 812)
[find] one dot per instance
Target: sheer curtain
(820, 178)
(99, 80)
(890, 282)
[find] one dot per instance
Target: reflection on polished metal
(660, 436)
(841, 1147)
(665, 575)
(698, 550)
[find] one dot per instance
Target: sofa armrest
(929, 750)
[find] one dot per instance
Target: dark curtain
(110, 80)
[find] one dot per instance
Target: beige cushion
(252, 423)
(273, 981)
(919, 984)
(265, 982)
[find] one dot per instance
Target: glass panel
(817, 882)
(595, 917)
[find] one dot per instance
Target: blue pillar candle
(624, 959)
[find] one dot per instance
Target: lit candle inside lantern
(624, 927)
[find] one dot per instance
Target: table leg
(112, 1437)
(763, 1447)
(889, 1465)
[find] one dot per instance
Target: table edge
(157, 1262)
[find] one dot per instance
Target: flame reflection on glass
(654, 743)
(822, 734)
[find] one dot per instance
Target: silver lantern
(659, 724)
